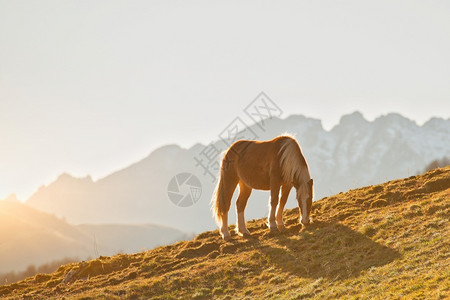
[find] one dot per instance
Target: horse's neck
(303, 178)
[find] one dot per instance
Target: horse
(264, 165)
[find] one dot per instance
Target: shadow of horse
(329, 250)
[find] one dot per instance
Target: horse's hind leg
(241, 202)
(230, 183)
(285, 189)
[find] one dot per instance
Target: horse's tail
(219, 206)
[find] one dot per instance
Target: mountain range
(356, 152)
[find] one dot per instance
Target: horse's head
(304, 199)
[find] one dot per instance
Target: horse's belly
(257, 180)
(264, 187)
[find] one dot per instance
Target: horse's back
(255, 162)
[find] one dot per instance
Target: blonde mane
(293, 165)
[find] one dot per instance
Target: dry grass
(385, 241)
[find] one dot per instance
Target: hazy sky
(88, 87)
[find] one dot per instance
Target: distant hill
(386, 241)
(354, 153)
(129, 238)
(31, 237)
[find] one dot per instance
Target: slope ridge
(388, 240)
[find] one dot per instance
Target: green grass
(377, 242)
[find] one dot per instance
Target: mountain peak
(353, 120)
(395, 118)
(354, 117)
(66, 177)
(311, 122)
(165, 150)
(12, 198)
(437, 123)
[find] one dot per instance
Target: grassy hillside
(31, 237)
(390, 240)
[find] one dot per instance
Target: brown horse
(263, 165)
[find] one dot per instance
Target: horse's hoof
(243, 234)
(272, 233)
(226, 237)
(273, 229)
(281, 228)
(246, 235)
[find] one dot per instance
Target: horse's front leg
(285, 189)
(274, 194)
